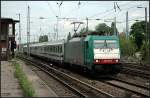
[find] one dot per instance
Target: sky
(75, 11)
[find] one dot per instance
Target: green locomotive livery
(94, 52)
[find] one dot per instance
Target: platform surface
(9, 83)
(41, 88)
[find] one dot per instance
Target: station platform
(9, 84)
(41, 89)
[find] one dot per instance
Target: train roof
(47, 43)
(100, 37)
(75, 39)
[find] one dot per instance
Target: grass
(28, 91)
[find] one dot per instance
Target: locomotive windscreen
(105, 44)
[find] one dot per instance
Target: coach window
(58, 49)
(53, 48)
(44, 48)
(50, 49)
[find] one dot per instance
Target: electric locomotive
(95, 53)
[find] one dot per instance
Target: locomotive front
(104, 53)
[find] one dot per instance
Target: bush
(127, 46)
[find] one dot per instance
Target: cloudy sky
(74, 10)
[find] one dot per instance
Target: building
(7, 32)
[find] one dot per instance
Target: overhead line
(74, 9)
(123, 11)
(112, 10)
(108, 10)
(51, 8)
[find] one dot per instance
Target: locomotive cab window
(105, 44)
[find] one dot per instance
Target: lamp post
(147, 34)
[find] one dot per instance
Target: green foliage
(103, 29)
(127, 46)
(112, 29)
(82, 31)
(25, 84)
(43, 38)
(138, 33)
(143, 50)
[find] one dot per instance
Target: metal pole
(115, 33)
(28, 31)
(87, 24)
(127, 27)
(27, 35)
(57, 27)
(147, 36)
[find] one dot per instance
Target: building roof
(8, 20)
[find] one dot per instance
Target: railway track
(138, 89)
(81, 88)
(137, 66)
(86, 93)
(136, 72)
(127, 87)
(146, 87)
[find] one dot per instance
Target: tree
(138, 33)
(127, 46)
(103, 29)
(84, 32)
(112, 29)
(43, 38)
(69, 36)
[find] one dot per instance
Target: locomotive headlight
(116, 60)
(96, 60)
